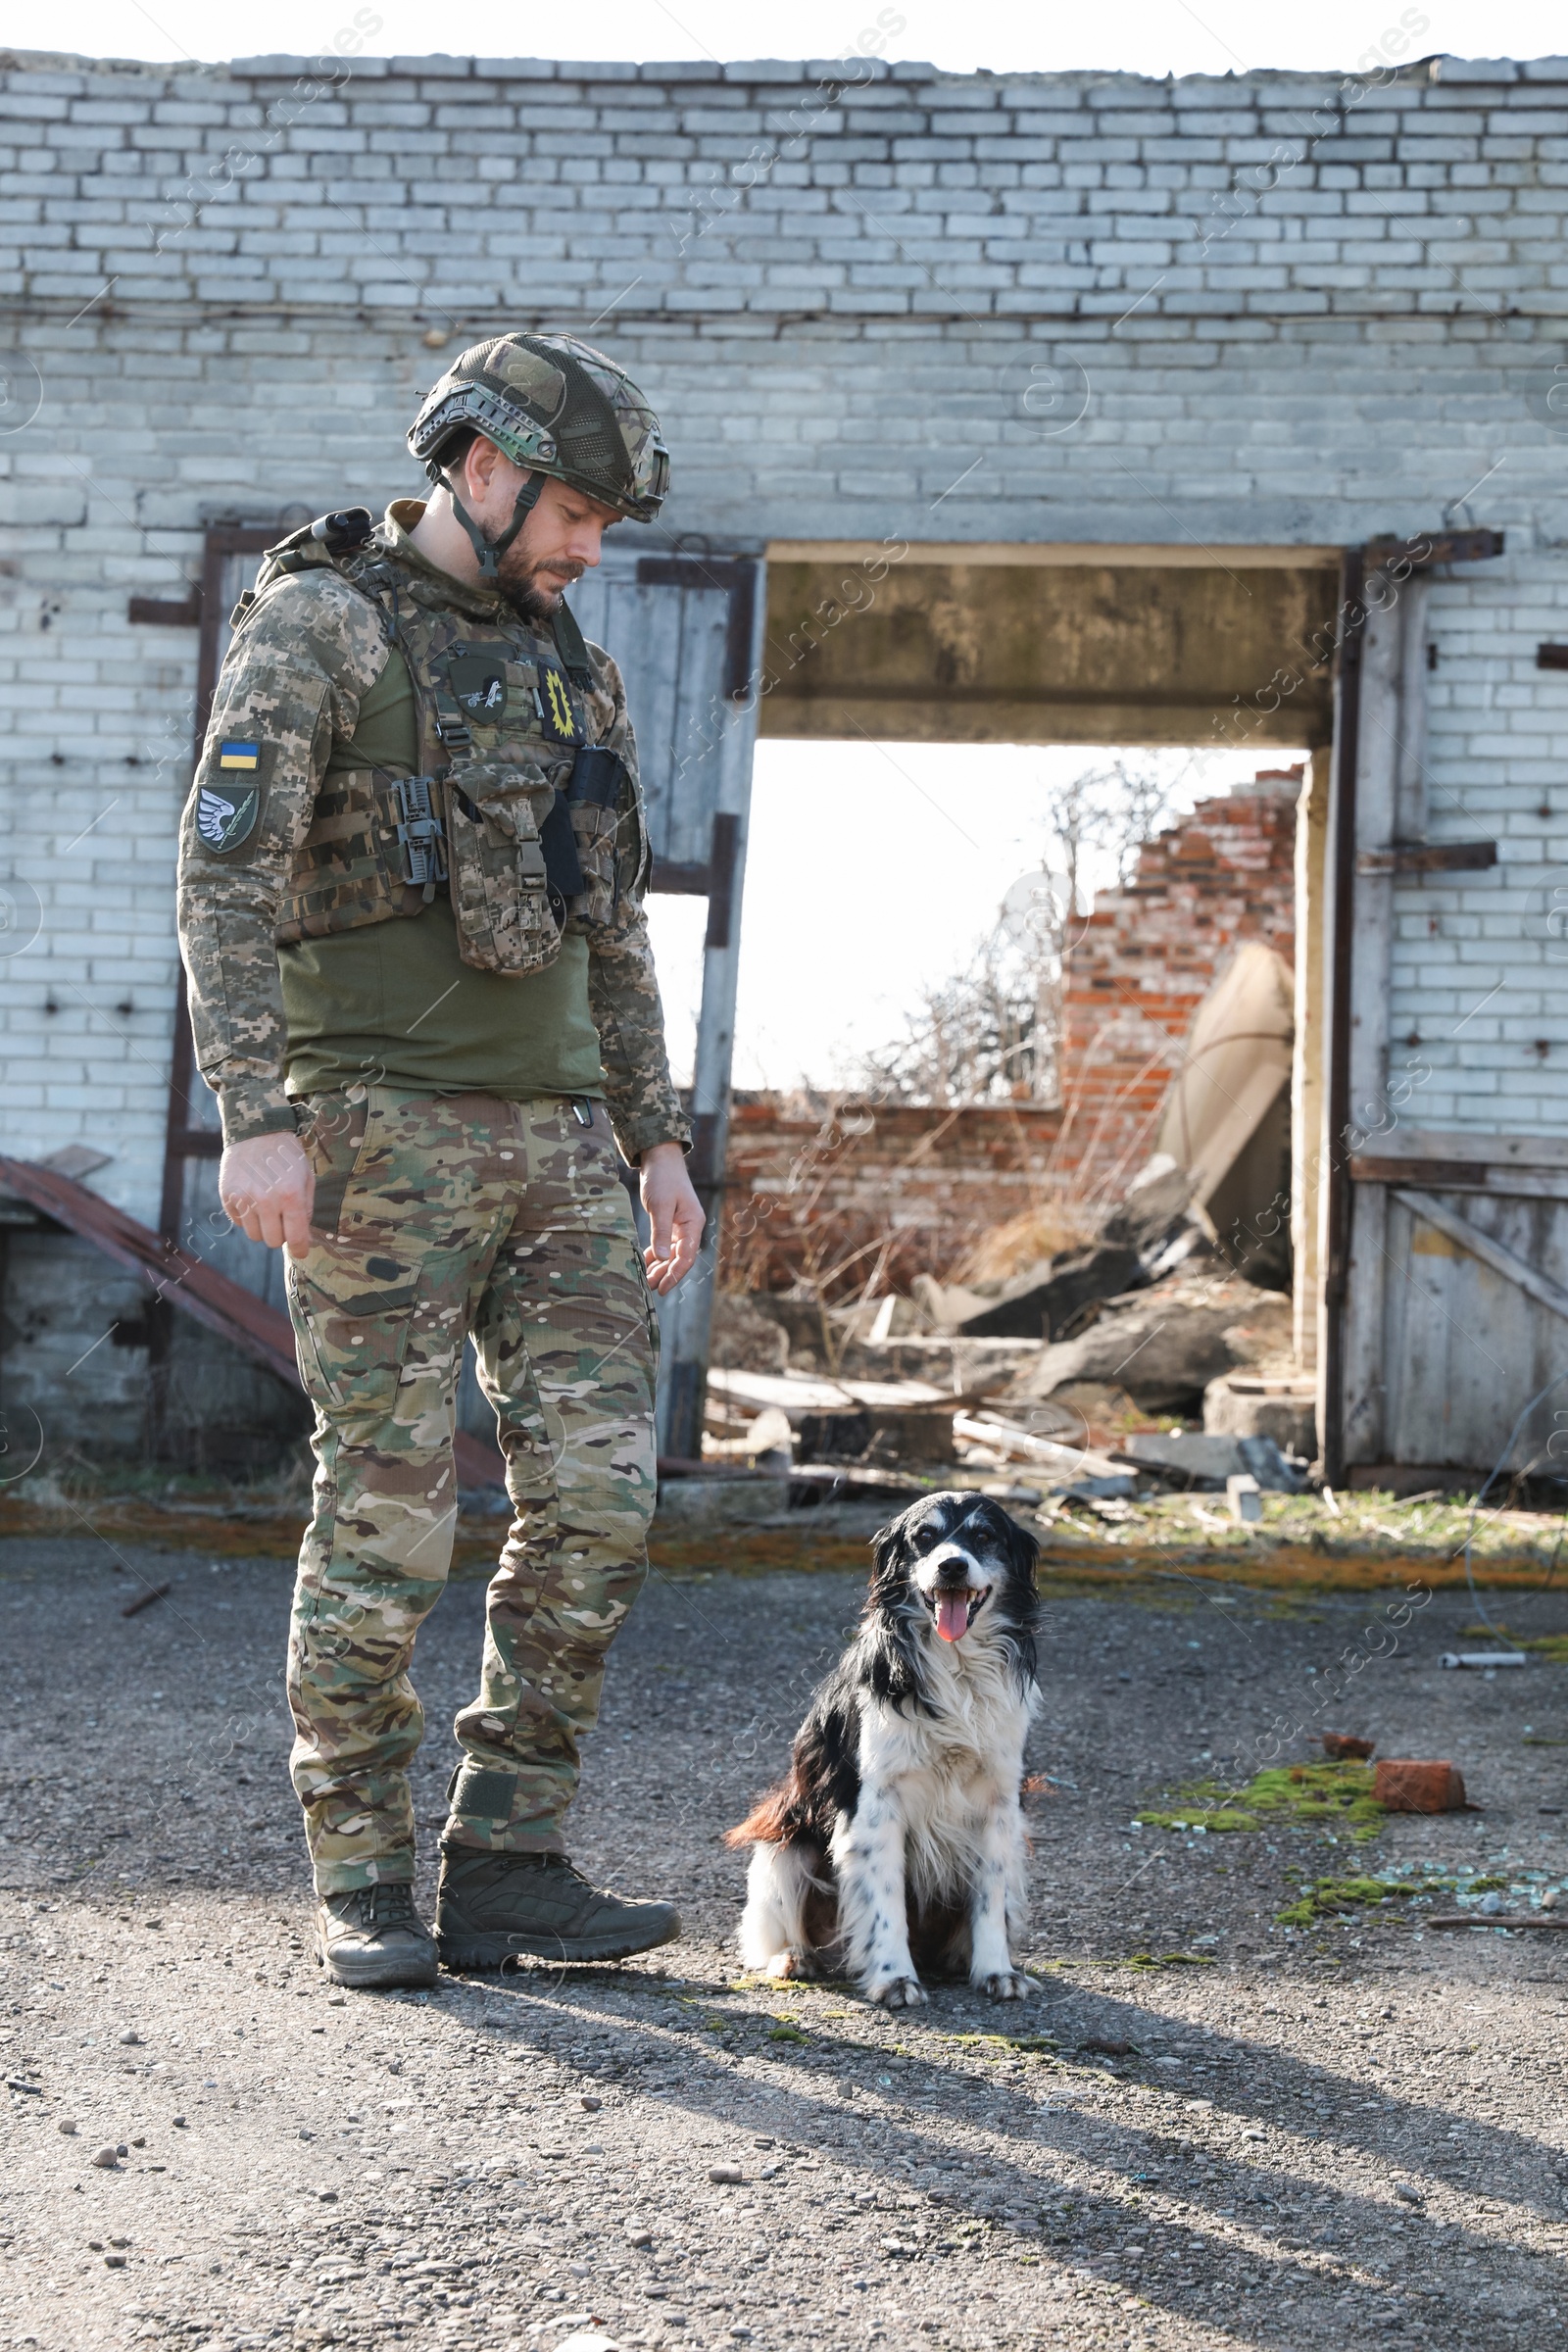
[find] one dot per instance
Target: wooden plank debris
(797, 1392)
(1022, 1445)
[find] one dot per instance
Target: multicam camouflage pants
(437, 1216)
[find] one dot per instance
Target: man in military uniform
(412, 870)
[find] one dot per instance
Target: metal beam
(178, 1279)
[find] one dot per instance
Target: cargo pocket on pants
(351, 1331)
(335, 1136)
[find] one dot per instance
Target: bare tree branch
(992, 1031)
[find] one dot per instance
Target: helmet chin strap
(490, 551)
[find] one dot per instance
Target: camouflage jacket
(305, 653)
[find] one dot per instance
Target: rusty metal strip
(1429, 857)
(1492, 1918)
(198, 1289)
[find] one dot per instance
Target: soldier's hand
(268, 1185)
(674, 1212)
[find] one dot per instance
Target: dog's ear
(1023, 1549)
(890, 1548)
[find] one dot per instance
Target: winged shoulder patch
(223, 822)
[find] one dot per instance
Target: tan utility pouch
(500, 891)
(595, 832)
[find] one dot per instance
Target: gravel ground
(1293, 2139)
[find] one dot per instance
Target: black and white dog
(895, 1841)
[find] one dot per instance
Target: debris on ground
(745, 1335)
(1282, 1407)
(1246, 1497)
(1401, 1784)
(1195, 1458)
(144, 1600)
(1166, 1344)
(1051, 1306)
(991, 1438)
(1365, 1541)
(1494, 1919)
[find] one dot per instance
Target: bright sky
(874, 868)
(1143, 36)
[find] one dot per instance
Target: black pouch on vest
(563, 865)
(596, 775)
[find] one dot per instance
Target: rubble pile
(1138, 1360)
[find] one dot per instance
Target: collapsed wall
(1147, 955)
(831, 1194)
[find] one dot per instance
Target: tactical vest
(513, 808)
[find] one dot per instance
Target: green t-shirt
(393, 1004)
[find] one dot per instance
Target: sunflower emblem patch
(554, 699)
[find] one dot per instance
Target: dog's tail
(772, 1821)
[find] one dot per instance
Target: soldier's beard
(534, 590)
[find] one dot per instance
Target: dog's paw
(897, 1992)
(1007, 1985)
(792, 1962)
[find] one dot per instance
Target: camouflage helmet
(552, 404)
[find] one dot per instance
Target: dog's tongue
(953, 1615)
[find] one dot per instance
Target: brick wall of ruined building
(1147, 955)
(841, 1194)
(223, 338)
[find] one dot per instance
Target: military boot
(490, 1907)
(374, 1937)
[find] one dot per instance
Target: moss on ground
(1329, 1896)
(1160, 1548)
(1324, 1898)
(1295, 1793)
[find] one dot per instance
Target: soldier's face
(560, 541)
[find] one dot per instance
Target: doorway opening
(923, 712)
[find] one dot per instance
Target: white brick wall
(1480, 1021)
(1292, 309)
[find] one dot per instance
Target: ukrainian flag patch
(239, 755)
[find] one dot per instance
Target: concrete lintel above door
(1186, 557)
